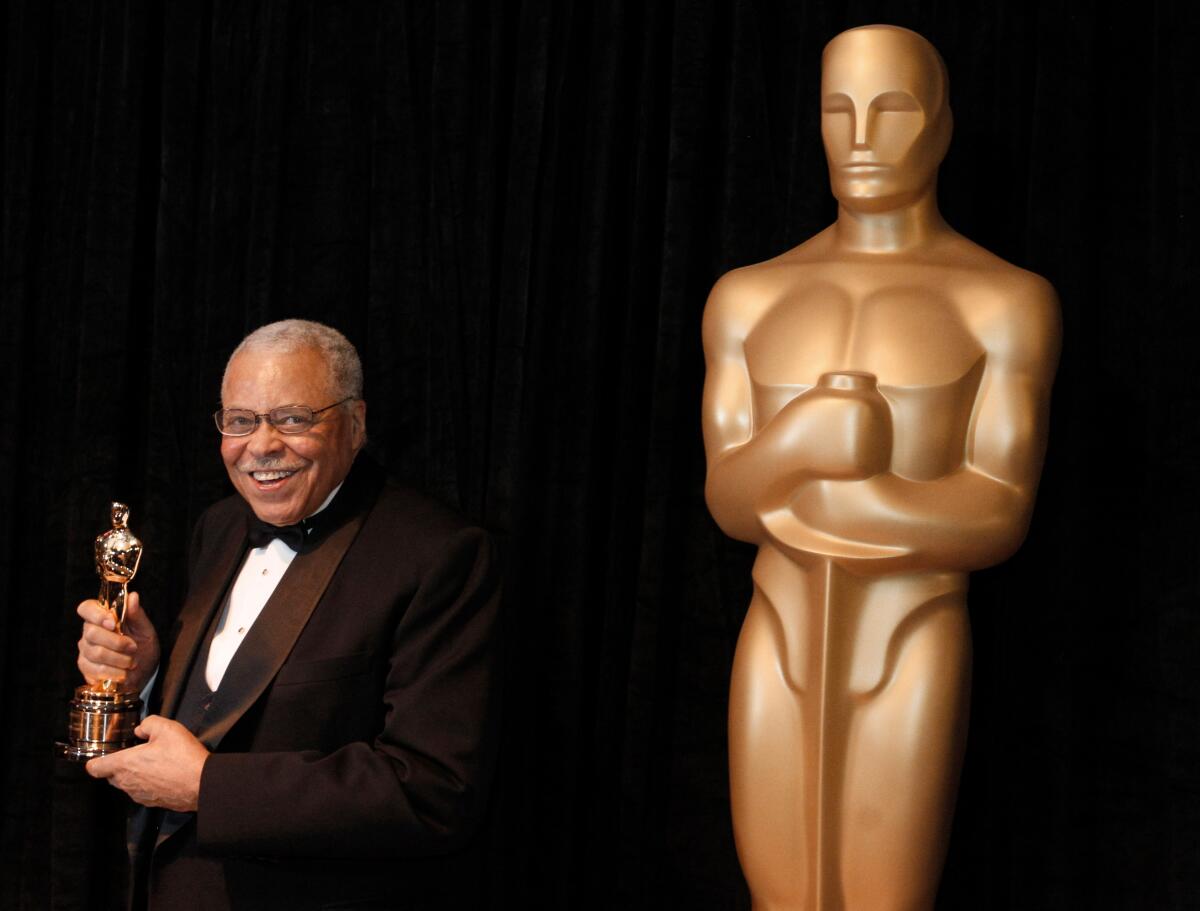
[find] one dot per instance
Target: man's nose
(264, 439)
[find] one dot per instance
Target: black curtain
(515, 210)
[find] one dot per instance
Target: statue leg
(903, 756)
(771, 778)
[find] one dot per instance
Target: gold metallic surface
(118, 554)
(102, 717)
(875, 418)
(100, 722)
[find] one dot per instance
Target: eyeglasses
(241, 422)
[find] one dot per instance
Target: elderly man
(328, 706)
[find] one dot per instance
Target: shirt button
(264, 572)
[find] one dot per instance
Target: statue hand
(835, 434)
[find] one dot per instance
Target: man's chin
(274, 510)
(277, 516)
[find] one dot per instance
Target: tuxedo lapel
(202, 602)
(270, 639)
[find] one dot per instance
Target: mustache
(267, 464)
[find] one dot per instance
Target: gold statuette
(103, 715)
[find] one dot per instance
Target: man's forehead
(260, 378)
(868, 62)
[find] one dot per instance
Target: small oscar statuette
(104, 714)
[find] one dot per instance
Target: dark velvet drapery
(516, 211)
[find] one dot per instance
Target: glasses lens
(293, 419)
(235, 422)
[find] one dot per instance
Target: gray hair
(290, 335)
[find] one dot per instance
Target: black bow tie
(261, 534)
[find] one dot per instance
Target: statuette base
(101, 722)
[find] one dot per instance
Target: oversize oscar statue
(876, 410)
(104, 715)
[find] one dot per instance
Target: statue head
(885, 116)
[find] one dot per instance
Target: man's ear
(358, 424)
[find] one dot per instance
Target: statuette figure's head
(885, 116)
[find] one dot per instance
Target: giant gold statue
(875, 417)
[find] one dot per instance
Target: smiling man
(327, 712)
(287, 476)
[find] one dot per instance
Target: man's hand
(104, 654)
(163, 772)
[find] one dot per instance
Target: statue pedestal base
(101, 722)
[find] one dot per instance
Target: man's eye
(292, 420)
(239, 422)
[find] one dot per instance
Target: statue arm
(742, 465)
(755, 466)
(977, 515)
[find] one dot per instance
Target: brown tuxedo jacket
(353, 734)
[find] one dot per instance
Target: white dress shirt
(255, 583)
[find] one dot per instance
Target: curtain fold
(516, 211)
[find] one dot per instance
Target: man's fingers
(151, 726)
(95, 637)
(135, 619)
(94, 673)
(105, 654)
(100, 670)
(98, 662)
(137, 624)
(100, 767)
(133, 609)
(115, 654)
(92, 612)
(163, 772)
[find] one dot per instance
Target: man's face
(285, 477)
(884, 138)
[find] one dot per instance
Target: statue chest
(927, 363)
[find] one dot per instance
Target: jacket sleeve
(421, 785)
